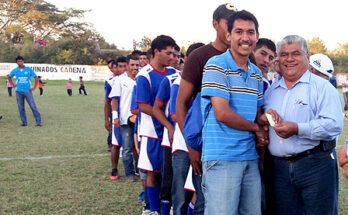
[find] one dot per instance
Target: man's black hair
(131, 57)
(176, 47)
(136, 52)
(110, 61)
(149, 54)
(162, 42)
(265, 42)
(244, 15)
(193, 47)
(143, 53)
(121, 59)
(80, 76)
(19, 58)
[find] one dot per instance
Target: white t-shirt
(122, 88)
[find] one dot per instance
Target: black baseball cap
(224, 11)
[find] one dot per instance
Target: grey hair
(293, 39)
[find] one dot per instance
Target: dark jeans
(41, 91)
(69, 92)
(21, 106)
(167, 175)
(268, 176)
(82, 88)
(307, 186)
(9, 89)
(180, 197)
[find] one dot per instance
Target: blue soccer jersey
(148, 83)
(163, 95)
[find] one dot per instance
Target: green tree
(24, 18)
(316, 45)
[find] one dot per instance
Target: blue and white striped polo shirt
(244, 90)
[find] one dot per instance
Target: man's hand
(261, 136)
(171, 133)
(286, 129)
(108, 125)
(343, 156)
(31, 89)
(117, 123)
(195, 158)
(275, 116)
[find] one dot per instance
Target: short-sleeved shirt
(107, 87)
(178, 138)
(163, 95)
(193, 68)
(122, 89)
(244, 91)
(23, 78)
(148, 81)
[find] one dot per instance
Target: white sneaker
(146, 212)
(154, 213)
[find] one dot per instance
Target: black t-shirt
(193, 68)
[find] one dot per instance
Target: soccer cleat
(114, 174)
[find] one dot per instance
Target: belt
(323, 146)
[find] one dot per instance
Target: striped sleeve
(214, 82)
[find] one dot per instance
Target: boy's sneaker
(114, 174)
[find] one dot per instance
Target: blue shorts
(151, 154)
(116, 136)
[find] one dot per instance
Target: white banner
(62, 72)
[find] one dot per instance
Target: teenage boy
(232, 96)
(151, 131)
(121, 95)
(24, 90)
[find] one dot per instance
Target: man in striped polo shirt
(232, 96)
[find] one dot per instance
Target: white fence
(62, 72)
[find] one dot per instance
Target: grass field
(75, 179)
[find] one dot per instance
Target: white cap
(322, 64)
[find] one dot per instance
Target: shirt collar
(304, 79)
(235, 67)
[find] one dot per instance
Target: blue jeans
(345, 96)
(127, 151)
(197, 183)
(180, 197)
(21, 106)
(232, 187)
(307, 186)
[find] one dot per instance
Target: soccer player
(151, 131)
(161, 112)
(121, 95)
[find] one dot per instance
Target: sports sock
(153, 195)
(165, 207)
(190, 208)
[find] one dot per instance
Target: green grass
(71, 126)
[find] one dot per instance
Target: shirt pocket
(301, 112)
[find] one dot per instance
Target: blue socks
(152, 193)
(165, 207)
(190, 209)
